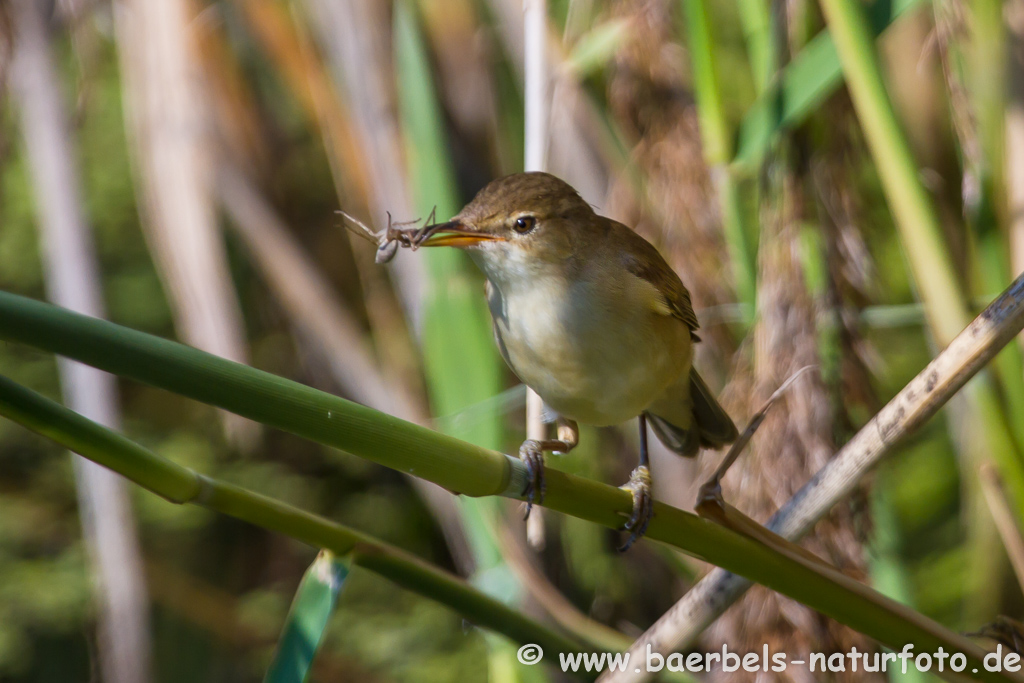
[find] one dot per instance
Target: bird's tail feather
(682, 441)
(711, 427)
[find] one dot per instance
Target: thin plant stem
(716, 139)
(73, 280)
(537, 106)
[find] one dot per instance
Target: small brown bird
(590, 316)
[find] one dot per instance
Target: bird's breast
(592, 354)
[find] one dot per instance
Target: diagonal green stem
(182, 485)
(381, 438)
(918, 223)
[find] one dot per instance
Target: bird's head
(517, 225)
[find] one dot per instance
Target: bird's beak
(452, 234)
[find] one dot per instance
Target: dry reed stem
(575, 154)
(169, 131)
(356, 43)
(73, 281)
(232, 102)
(793, 443)
(908, 410)
(304, 74)
(537, 103)
(710, 491)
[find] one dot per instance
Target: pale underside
(599, 359)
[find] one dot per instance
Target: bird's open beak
(452, 234)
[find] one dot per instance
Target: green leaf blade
(307, 619)
(811, 77)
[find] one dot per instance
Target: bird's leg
(532, 455)
(640, 486)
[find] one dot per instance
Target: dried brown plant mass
(795, 441)
(677, 208)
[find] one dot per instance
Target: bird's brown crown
(539, 194)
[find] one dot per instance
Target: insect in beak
(451, 234)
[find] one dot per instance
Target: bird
(589, 315)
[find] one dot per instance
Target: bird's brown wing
(643, 260)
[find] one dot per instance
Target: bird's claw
(643, 505)
(533, 457)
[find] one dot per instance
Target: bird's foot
(532, 455)
(643, 505)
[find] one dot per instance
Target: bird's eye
(524, 224)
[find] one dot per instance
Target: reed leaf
(808, 79)
(759, 33)
(307, 619)
(461, 365)
(595, 48)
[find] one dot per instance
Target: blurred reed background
(176, 166)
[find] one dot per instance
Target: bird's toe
(532, 456)
(639, 486)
